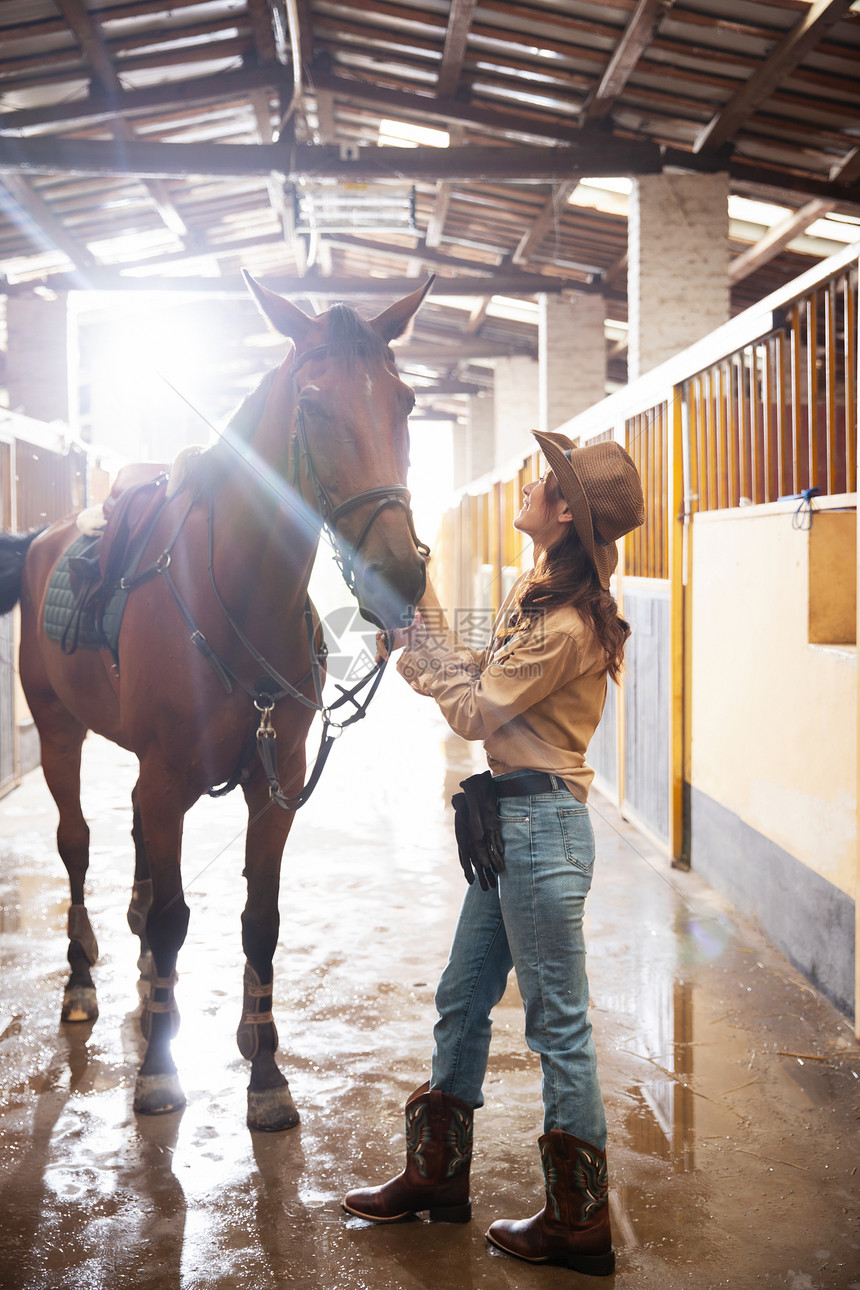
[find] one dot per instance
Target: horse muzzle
(388, 593)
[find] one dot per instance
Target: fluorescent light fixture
(834, 230)
(754, 212)
(611, 185)
(332, 207)
(404, 134)
(515, 310)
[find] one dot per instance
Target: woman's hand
(388, 642)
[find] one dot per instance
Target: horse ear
(394, 321)
(284, 316)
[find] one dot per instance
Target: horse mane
(210, 466)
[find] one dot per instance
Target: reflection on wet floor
(731, 1086)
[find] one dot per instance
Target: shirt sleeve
(477, 700)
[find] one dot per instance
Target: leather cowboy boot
(438, 1157)
(573, 1227)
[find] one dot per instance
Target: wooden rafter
(477, 318)
(86, 32)
(98, 106)
(638, 35)
(260, 13)
(49, 155)
(777, 239)
(454, 53)
(804, 36)
(551, 212)
(427, 254)
(447, 385)
(505, 284)
(50, 228)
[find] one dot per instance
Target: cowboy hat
(601, 485)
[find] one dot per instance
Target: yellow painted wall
(773, 721)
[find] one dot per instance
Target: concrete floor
(731, 1086)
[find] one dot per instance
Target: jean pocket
(514, 818)
(578, 837)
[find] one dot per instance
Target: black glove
(476, 828)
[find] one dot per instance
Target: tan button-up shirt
(534, 699)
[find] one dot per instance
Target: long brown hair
(564, 575)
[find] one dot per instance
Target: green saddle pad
(60, 606)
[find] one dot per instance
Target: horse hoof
(158, 1094)
(271, 1110)
(79, 1003)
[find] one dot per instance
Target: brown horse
(322, 440)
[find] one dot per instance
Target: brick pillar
(38, 357)
(572, 355)
(517, 399)
(678, 256)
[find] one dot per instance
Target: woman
(534, 697)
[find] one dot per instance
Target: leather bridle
(384, 495)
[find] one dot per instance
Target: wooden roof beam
(552, 210)
(427, 354)
(504, 284)
(446, 386)
(43, 222)
(454, 52)
(477, 317)
(589, 154)
(428, 255)
(594, 156)
(777, 238)
(86, 32)
(638, 34)
(260, 13)
(436, 222)
(804, 36)
(102, 107)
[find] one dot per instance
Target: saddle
(87, 596)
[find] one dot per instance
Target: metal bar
(698, 443)
(713, 465)
(850, 359)
(830, 385)
(743, 425)
(755, 426)
(812, 388)
(767, 429)
(782, 446)
(734, 455)
(797, 454)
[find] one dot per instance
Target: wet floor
(732, 1088)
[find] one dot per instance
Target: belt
(528, 784)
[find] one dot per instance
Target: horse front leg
(62, 738)
(157, 1088)
(270, 1105)
(141, 892)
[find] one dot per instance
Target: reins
(264, 694)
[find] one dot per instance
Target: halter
(384, 495)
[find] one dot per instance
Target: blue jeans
(533, 923)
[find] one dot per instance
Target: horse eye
(310, 406)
